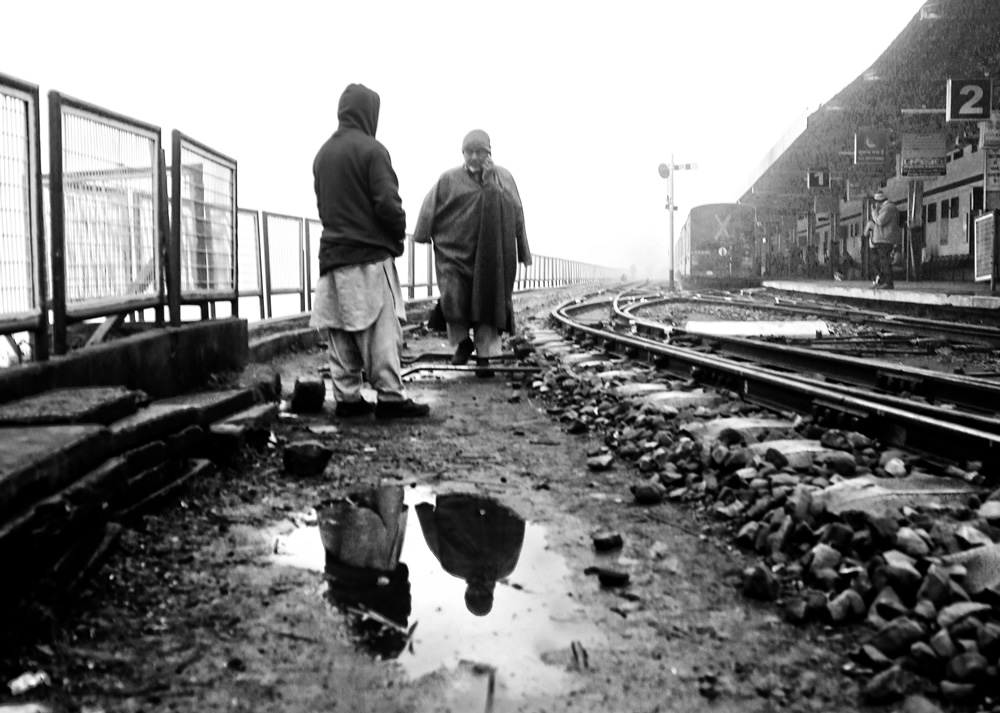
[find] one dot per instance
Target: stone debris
(609, 577)
(846, 531)
(306, 458)
(607, 541)
(601, 461)
(307, 396)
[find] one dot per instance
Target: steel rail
(978, 396)
(852, 313)
(934, 438)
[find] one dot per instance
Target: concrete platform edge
(162, 362)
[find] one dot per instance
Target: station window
(977, 199)
(931, 213)
(954, 207)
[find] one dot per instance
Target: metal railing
(203, 265)
(113, 231)
(105, 197)
(284, 258)
(314, 230)
(22, 233)
(250, 270)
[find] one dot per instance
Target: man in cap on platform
(474, 219)
(358, 298)
(884, 236)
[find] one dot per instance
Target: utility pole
(667, 171)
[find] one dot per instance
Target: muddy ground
(205, 607)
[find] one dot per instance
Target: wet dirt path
(219, 602)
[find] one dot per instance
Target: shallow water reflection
(475, 583)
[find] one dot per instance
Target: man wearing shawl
(358, 297)
(474, 219)
(474, 538)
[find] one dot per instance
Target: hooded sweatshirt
(357, 191)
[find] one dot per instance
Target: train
(732, 245)
(718, 246)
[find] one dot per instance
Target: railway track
(976, 399)
(948, 419)
(840, 506)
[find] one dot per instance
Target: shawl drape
(478, 236)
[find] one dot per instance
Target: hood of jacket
(358, 109)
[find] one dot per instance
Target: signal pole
(667, 171)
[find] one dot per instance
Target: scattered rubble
(846, 531)
(306, 458)
(307, 396)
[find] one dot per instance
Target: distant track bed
(957, 414)
(950, 347)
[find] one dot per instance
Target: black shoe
(482, 372)
(401, 409)
(463, 352)
(353, 409)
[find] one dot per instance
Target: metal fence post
(58, 228)
(267, 266)
(411, 267)
(174, 250)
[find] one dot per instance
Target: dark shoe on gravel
(401, 409)
(353, 409)
(482, 369)
(463, 352)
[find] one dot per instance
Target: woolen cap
(476, 139)
(879, 196)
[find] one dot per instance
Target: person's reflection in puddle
(363, 536)
(474, 538)
(378, 603)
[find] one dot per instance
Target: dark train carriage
(718, 244)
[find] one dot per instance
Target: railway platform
(216, 595)
(959, 295)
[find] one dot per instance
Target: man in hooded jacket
(473, 217)
(884, 238)
(359, 301)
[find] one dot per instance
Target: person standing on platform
(883, 236)
(474, 219)
(359, 301)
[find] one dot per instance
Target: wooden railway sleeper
(829, 413)
(899, 383)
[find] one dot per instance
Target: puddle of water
(436, 619)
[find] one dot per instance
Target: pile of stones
(920, 577)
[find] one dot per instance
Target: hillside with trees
(945, 39)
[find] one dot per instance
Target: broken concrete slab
(556, 349)
(668, 400)
(259, 417)
(626, 391)
(596, 363)
(982, 565)
(612, 374)
(884, 496)
(190, 470)
(93, 404)
(750, 428)
(252, 425)
(800, 453)
(37, 461)
(585, 358)
(792, 329)
(544, 337)
(152, 423)
(212, 406)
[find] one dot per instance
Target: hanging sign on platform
(924, 154)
